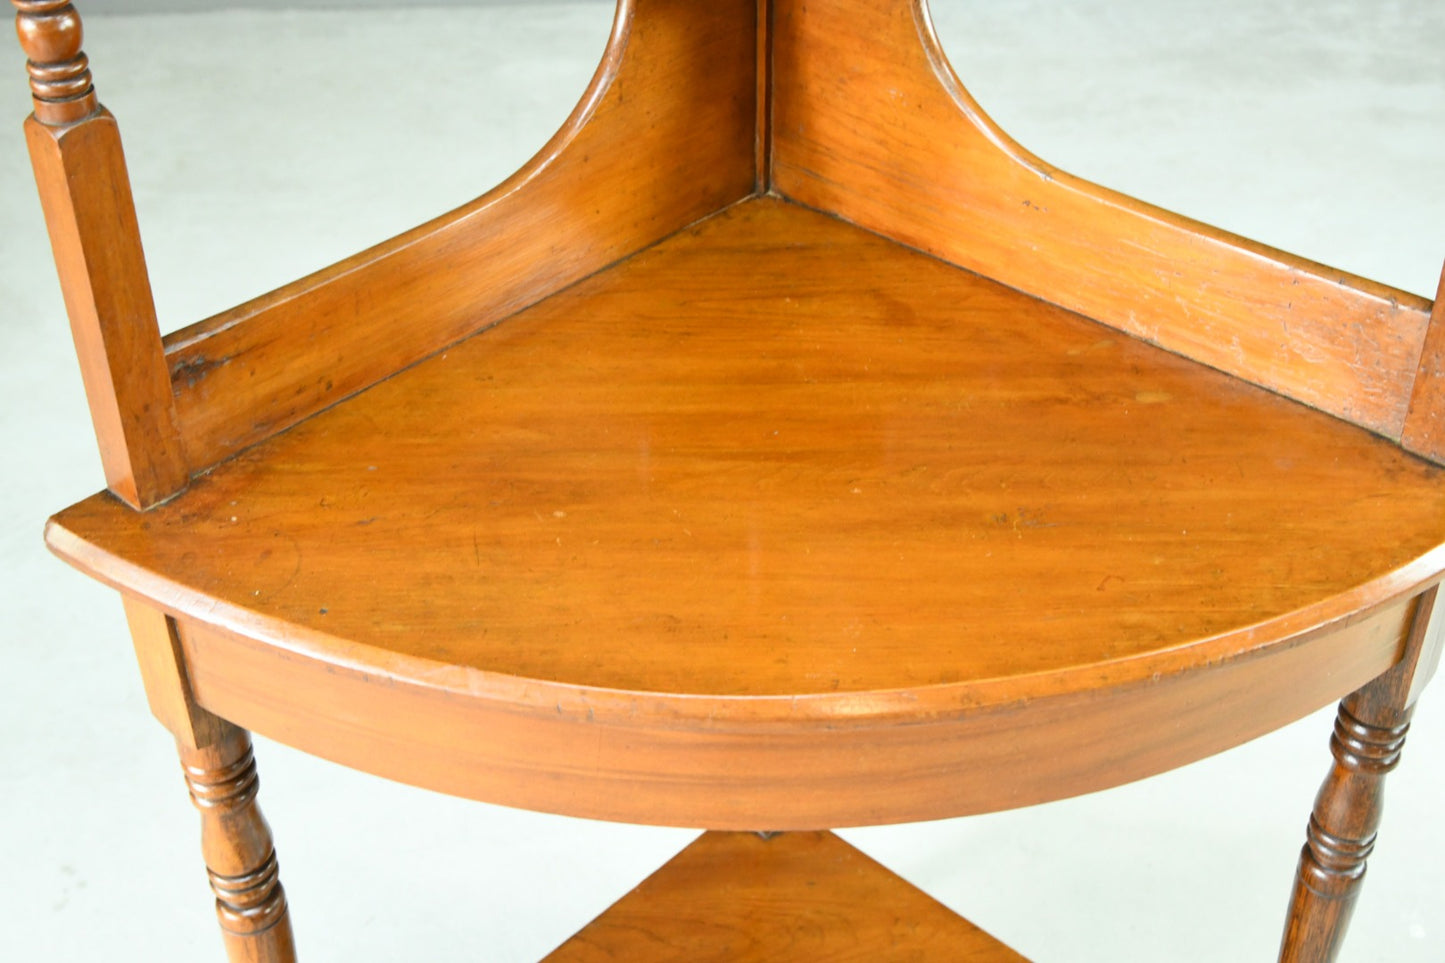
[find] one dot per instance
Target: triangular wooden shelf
(743, 898)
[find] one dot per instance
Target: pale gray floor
(264, 145)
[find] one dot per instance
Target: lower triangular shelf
(738, 897)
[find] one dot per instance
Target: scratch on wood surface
(194, 369)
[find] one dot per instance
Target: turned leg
(221, 775)
(1342, 829)
(239, 853)
(1369, 733)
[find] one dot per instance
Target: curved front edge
(664, 136)
(871, 124)
(758, 764)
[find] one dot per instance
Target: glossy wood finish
(80, 170)
(1425, 424)
(654, 145)
(1342, 829)
(740, 556)
(1369, 735)
(745, 764)
(871, 123)
(61, 86)
(239, 853)
(776, 524)
(739, 898)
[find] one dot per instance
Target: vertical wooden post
(85, 191)
(1369, 733)
(221, 776)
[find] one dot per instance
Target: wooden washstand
(838, 463)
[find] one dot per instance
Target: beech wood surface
(871, 123)
(739, 898)
(85, 192)
(772, 485)
(655, 144)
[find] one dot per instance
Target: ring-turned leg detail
(1342, 828)
(239, 852)
(1369, 734)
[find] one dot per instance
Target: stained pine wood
(80, 171)
(654, 144)
(871, 123)
(739, 898)
(767, 487)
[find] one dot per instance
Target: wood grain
(782, 498)
(1424, 431)
(85, 192)
(871, 123)
(654, 145)
(163, 673)
(763, 180)
(775, 524)
(739, 898)
(762, 763)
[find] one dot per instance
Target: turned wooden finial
(50, 34)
